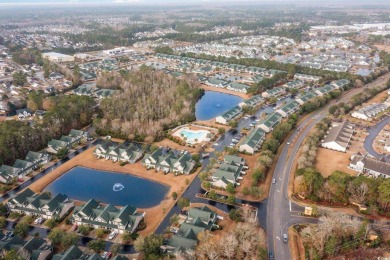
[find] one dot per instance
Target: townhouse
(40, 205)
(36, 247)
(324, 90)
(199, 219)
(295, 84)
(75, 253)
(338, 136)
(96, 215)
(229, 171)
(270, 122)
(229, 115)
(370, 111)
(253, 141)
(67, 141)
(365, 164)
(306, 97)
(169, 161)
(289, 109)
(124, 152)
(238, 87)
(21, 168)
(273, 92)
(252, 102)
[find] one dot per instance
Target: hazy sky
(198, 1)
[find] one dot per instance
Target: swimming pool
(192, 136)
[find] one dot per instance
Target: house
(367, 112)
(84, 90)
(96, 215)
(252, 142)
(199, 219)
(294, 84)
(40, 205)
(103, 93)
(56, 76)
(270, 122)
(40, 114)
(23, 167)
(340, 83)
(273, 92)
(8, 174)
(75, 253)
(338, 136)
(78, 135)
(229, 115)
(304, 98)
(129, 153)
(54, 146)
(252, 102)
(306, 77)
(169, 161)
(238, 87)
(219, 83)
(23, 113)
(37, 159)
(289, 108)
(324, 90)
(228, 172)
(38, 248)
(10, 242)
(371, 166)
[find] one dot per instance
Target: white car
(112, 235)
(38, 221)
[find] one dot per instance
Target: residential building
(289, 108)
(270, 122)
(8, 174)
(229, 115)
(169, 161)
(96, 215)
(304, 98)
(199, 219)
(370, 166)
(238, 87)
(340, 83)
(37, 248)
(253, 101)
(252, 142)
(75, 253)
(124, 152)
(338, 136)
(229, 171)
(54, 146)
(367, 112)
(324, 90)
(295, 84)
(306, 77)
(23, 113)
(41, 205)
(273, 92)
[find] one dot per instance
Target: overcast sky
(341, 2)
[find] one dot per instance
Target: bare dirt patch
(226, 91)
(385, 48)
(329, 161)
(154, 215)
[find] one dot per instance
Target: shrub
(50, 223)
(174, 195)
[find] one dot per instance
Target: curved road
(280, 215)
(372, 134)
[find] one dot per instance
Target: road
(279, 213)
(372, 134)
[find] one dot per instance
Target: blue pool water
(109, 187)
(190, 135)
(213, 104)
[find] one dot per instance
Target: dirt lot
(383, 47)
(329, 161)
(153, 215)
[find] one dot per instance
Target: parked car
(271, 255)
(285, 238)
(38, 221)
(112, 235)
(106, 255)
(273, 181)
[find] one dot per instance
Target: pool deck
(153, 215)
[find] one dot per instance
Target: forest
(148, 103)
(63, 114)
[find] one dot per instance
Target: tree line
(64, 113)
(147, 104)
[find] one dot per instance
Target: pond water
(109, 187)
(213, 104)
